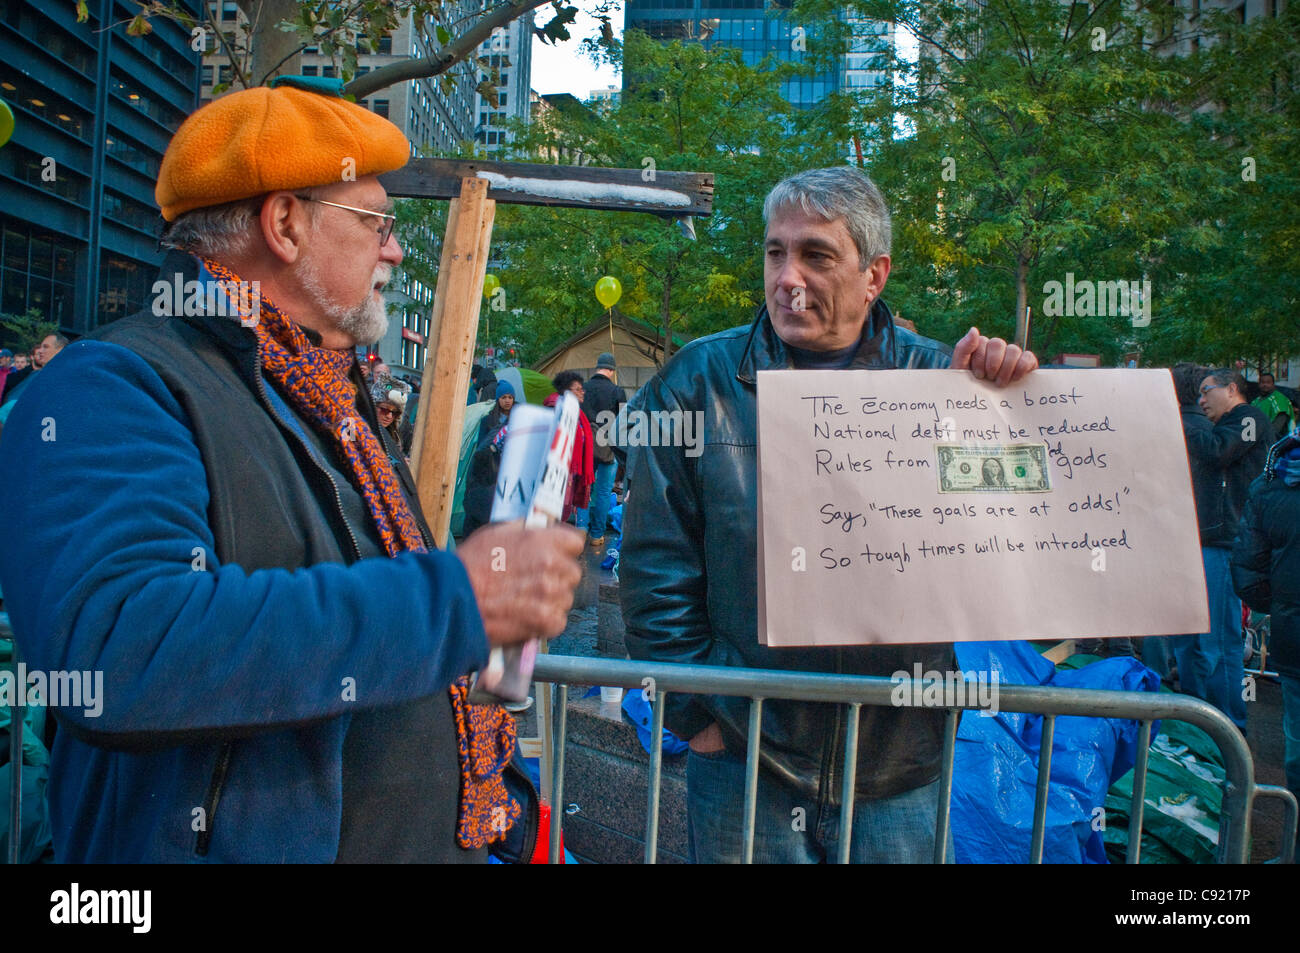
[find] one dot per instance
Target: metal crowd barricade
(1240, 789)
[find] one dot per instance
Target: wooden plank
(672, 194)
(454, 326)
(1060, 652)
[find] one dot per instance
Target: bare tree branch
(444, 59)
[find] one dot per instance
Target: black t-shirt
(836, 360)
(401, 769)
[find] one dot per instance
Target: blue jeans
(598, 512)
(1158, 654)
(792, 828)
(1210, 665)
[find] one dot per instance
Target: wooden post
(453, 328)
(453, 325)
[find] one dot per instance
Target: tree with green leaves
(1232, 273)
(275, 33)
(693, 109)
(1037, 139)
(22, 332)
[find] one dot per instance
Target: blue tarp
(996, 767)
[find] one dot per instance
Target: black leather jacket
(1230, 455)
(1266, 559)
(689, 571)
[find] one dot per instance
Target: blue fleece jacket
(112, 568)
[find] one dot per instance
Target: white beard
(367, 323)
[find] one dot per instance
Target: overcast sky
(561, 68)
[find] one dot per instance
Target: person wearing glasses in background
(390, 396)
(1227, 456)
(236, 510)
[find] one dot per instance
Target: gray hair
(222, 231)
(838, 192)
(1223, 376)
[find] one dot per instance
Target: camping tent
(530, 386)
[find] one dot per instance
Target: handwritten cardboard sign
(928, 506)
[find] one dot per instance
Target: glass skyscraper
(94, 110)
(759, 28)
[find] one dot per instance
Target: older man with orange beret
(219, 530)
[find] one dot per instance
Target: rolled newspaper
(531, 483)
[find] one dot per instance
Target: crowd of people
(590, 495)
(18, 370)
(212, 538)
(1244, 460)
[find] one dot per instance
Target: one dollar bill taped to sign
(928, 506)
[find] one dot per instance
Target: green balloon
(6, 122)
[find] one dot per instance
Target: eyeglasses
(385, 230)
(1206, 390)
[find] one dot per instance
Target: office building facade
(510, 52)
(93, 110)
(759, 30)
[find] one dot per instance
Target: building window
(46, 282)
(230, 11)
(207, 76)
(124, 286)
(381, 108)
(386, 44)
(309, 71)
(327, 71)
(501, 99)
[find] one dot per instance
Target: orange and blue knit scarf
(315, 381)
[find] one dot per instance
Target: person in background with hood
(390, 398)
(481, 482)
(1265, 567)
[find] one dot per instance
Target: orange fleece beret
(264, 140)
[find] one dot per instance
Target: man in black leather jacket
(1233, 452)
(689, 570)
